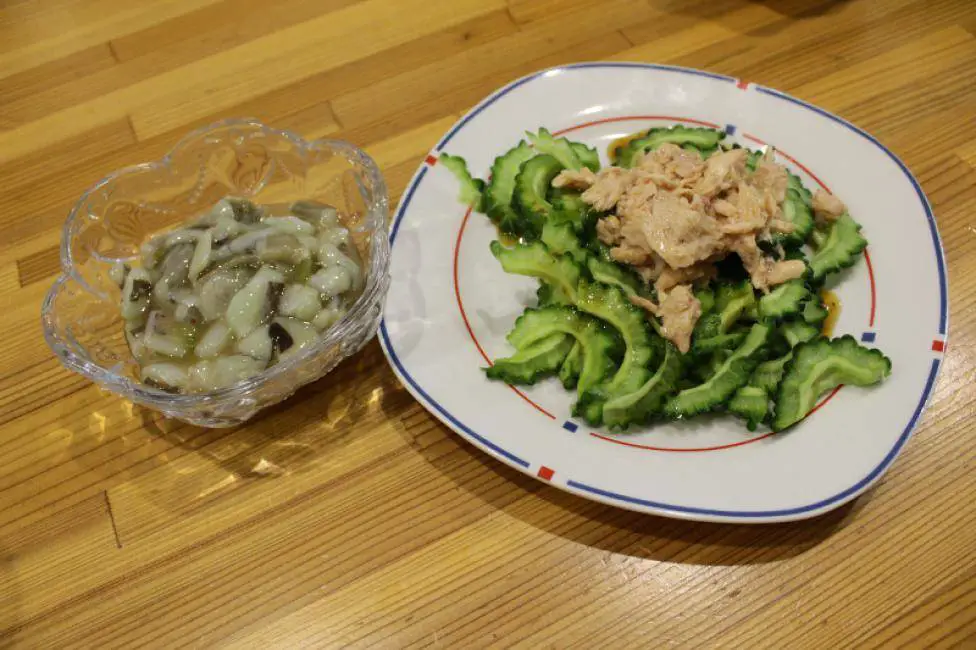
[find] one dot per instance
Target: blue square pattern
(570, 426)
(868, 337)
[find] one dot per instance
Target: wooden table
(351, 517)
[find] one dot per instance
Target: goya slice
(569, 371)
(568, 206)
(814, 311)
(819, 366)
(797, 212)
(798, 331)
(498, 195)
(613, 274)
(561, 239)
(547, 295)
(611, 305)
(768, 374)
(839, 249)
(702, 139)
(530, 364)
(472, 189)
(794, 183)
(729, 377)
(751, 403)
(785, 300)
(599, 347)
(638, 406)
(715, 342)
(531, 186)
(535, 260)
(587, 155)
(732, 302)
(559, 148)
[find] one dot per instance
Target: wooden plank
(439, 82)
(59, 33)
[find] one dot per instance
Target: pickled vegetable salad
(684, 279)
(235, 292)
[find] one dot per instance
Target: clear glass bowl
(81, 319)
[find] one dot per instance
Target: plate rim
(636, 503)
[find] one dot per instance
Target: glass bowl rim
(376, 282)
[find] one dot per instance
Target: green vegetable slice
(569, 372)
(611, 305)
(751, 403)
(785, 300)
(531, 186)
(559, 148)
(599, 347)
(732, 302)
(702, 139)
(768, 374)
(839, 249)
(587, 155)
(530, 364)
(730, 376)
(796, 332)
(814, 312)
(615, 275)
(561, 239)
(499, 193)
(819, 366)
(472, 189)
(796, 211)
(535, 260)
(638, 406)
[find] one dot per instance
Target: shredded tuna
(610, 185)
(673, 215)
(676, 231)
(722, 171)
(827, 207)
(679, 311)
(670, 277)
(577, 179)
(608, 230)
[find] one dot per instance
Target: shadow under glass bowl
(80, 315)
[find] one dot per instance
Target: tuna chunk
(679, 312)
(827, 207)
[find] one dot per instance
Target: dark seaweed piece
(281, 340)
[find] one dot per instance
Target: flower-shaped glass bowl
(81, 318)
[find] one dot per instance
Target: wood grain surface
(348, 516)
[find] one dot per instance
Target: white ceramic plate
(450, 305)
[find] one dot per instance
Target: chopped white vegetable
(251, 306)
(119, 270)
(257, 344)
(201, 376)
(165, 376)
(136, 291)
(332, 281)
(230, 370)
(201, 255)
(327, 317)
(213, 342)
(217, 288)
(338, 236)
(300, 301)
(289, 225)
(300, 333)
(320, 215)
